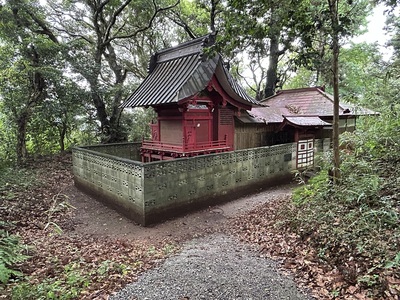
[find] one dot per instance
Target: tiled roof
(181, 72)
(306, 121)
(310, 101)
(303, 102)
(267, 114)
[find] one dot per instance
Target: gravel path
(214, 267)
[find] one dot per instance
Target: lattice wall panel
(121, 178)
(185, 179)
(123, 150)
(156, 185)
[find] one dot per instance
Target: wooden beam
(215, 85)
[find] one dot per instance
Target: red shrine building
(196, 100)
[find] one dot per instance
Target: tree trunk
(116, 133)
(63, 132)
(335, 69)
(213, 15)
(110, 130)
(272, 74)
(22, 123)
(100, 108)
(274, 53)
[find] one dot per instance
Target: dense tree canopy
(30, 64)
(67, 65)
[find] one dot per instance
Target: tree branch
(45, 29)
(114, 19)
(79, 36)
(245, 80)
(97, 11)
(156, 12)
(184, 25)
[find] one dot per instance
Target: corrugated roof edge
(190, 48)
(236, 86)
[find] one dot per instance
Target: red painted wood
(155, 131)
(214, 84)
(206, 126)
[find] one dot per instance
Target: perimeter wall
(152, 192)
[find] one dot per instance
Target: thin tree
(333, 9)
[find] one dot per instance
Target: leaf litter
(264, 226)
(39, 211)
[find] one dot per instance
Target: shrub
(11, 253)
(355, 225)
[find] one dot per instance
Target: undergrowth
(12, 252)
(13, 178)
(355, 225)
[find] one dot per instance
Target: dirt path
(92, 217)
(210, 265)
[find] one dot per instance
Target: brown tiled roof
(308, 101)
(303, 102)
(306, 121)
(181, 72)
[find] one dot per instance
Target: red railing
(184, 148)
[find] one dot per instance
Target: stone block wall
(113, 180)
(151, 192)
(173, 185)
(124, 150)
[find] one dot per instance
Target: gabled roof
(312, 101)
(183, 71)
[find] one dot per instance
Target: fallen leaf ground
(80, 249)
(322, 280)
(65, 264)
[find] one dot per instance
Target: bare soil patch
(94, 218)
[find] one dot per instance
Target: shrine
(211, 142)
(195, 99)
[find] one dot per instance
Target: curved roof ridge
(180, 72)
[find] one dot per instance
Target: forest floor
(79, 248)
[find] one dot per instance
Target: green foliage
(7, 138)
(308, 192)
(302, 78)
(11, 253)
(195, 14)
(29, 68)
(12, 178)
(68, 285)
(357, 222)
(69, 282)
(138, 122)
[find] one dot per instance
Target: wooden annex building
(300, 116)
(201, 109)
